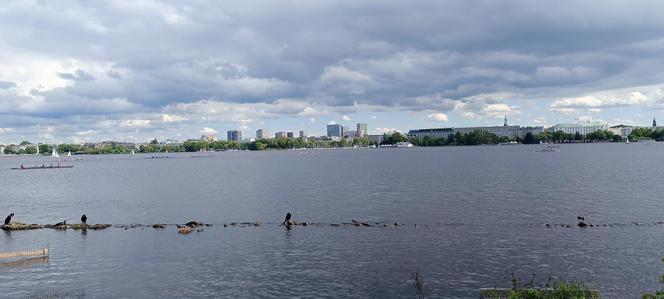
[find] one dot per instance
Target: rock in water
(194, 224)
(185, 230)
(21, 226)
(158, 226)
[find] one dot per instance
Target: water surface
(480, 214)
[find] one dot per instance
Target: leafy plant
(659, 294)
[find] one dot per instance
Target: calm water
(480, 214)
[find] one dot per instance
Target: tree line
(476, 137)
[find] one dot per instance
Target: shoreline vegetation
(283, 143)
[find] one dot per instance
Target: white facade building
(582, 128)
(622, 130)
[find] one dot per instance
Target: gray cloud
(7, 84)
(130, 58)
(78, 75)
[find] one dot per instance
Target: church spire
(654, 122)
(505, 123)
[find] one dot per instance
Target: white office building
(581, 128)
(622, 130)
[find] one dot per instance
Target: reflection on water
(26, 262)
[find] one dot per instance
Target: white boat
(404, 144)
(55, 153)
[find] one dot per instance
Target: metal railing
(25, 253)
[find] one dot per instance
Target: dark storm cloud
(78, 75)
(149, 54)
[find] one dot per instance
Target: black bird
(579, 218)
(61, 223)
(288, 217)
(84, 219)
(9, 218)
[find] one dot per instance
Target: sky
(86, 71)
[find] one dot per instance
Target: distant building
(500, 131)
(234, 135)
(262, 134)
(335, 130)
(376, 138)
(362, 130)
(280, 135)
(303, 134)
(622, 130)
(654, 123)
(581, 128)
(431, 133)
(290, 135)
(350, 134)
(209, 137)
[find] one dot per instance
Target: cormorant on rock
(9, 218)
(61, 223)
(84, 219)
(288, 217)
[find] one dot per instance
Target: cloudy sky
(75, 71)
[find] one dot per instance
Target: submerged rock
(359, 223)
(159, 226)
(185, 230)
(78, 226)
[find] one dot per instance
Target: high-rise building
(290, 135)
(234, 135)
(303, 134)
(262, 134)
(335, 130)
(280, 134)
(362, 130)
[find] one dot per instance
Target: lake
(469, 216)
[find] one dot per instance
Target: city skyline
(135, 71)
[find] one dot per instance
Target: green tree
(45, 149)
(529, 138)
(31, 150)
